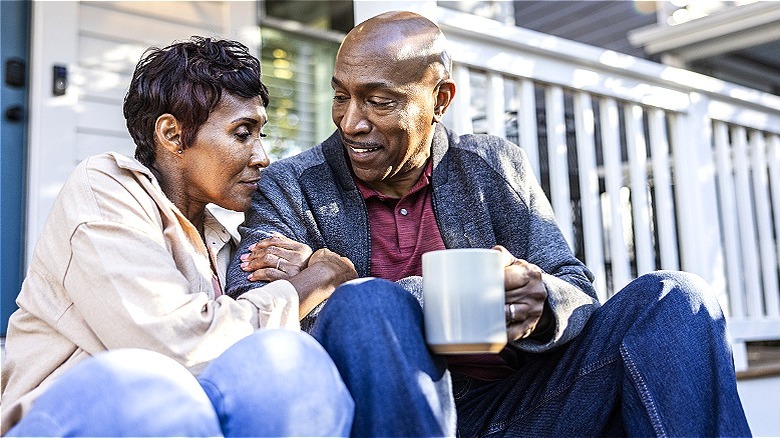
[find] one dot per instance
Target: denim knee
(268, 382)
(125, 392)
(688, 289)
(267, 355)
(373, 295)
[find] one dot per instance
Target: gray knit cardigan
(484, 194)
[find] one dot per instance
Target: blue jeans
(373, 330)
(272, 383)
(653, 361)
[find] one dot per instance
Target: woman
(131, 262)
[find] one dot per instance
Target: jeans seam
(217, 392)
(644, 394)
(496, 427)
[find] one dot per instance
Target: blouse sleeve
(126, 286)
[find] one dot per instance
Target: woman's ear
(444, 96)
(167, 132)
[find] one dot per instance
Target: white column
(52, 127)
(365, 9)
(696, 195)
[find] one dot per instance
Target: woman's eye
(243, 136)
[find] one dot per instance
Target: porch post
(53, 118)
(365, 9)
(699, 236)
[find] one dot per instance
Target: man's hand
(275, 258)
(326, 271)
(525, 295)
(340, 268)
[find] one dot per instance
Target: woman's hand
(525, 297)
(314, 275)
(275, 258)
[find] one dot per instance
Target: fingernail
(244, 265)
(252, 246)
(244, 257)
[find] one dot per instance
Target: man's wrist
(545, 329)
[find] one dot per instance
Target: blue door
(14, 43)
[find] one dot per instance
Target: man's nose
(354, 120)
(259, 158)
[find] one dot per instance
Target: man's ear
(444, 96)
(167, 132)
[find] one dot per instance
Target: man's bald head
(399, 37)
(392, 85)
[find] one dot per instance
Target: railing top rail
(572, 64)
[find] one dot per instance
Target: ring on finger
(278, 263)
(512, 316)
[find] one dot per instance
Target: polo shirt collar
(422, 182)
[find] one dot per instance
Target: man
(392, 183)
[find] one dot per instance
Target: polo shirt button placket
(403, 212)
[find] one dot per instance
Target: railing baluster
(526, 123)
(747, 233)
(767, 257)
(662, 188)
(637, 164)
(730, 230)
(496, 119)
(773, 155)
(461, 122)
(558, 161)
(613, 174)
(589, 191)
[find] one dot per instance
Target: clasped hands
(281, 258)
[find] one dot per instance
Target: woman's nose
(259, 158)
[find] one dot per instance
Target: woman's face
(223, 165)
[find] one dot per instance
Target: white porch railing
(647, 167)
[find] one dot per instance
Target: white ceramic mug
(463, 292)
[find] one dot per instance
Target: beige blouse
(117, 265)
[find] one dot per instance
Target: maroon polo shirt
(402, 230)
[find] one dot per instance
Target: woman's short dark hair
(187, 79)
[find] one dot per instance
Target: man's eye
(381, 103)
(338, 98)
(243, 136)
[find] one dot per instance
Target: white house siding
(100, 43)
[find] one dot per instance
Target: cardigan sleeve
(505, 205)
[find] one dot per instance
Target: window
(298, 47)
